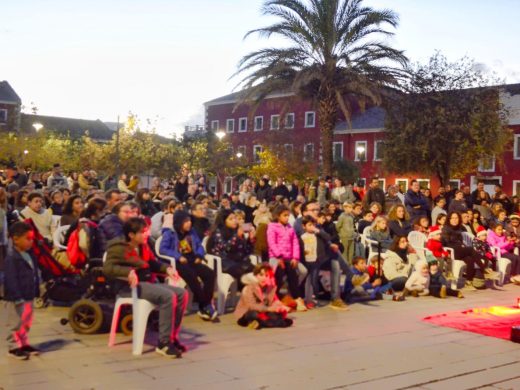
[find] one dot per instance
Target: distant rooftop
(76, 128)
(7, 94)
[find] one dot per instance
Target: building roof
(233, 98)
(372, 118)
(8, 94)
(76, 128)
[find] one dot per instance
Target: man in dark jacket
(21, 287)
(130, 259)
(264, 191)
(415, 202)
(111, 226)
(280, 189)
(374, 194)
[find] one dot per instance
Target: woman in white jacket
(399, 259)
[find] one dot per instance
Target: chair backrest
(104, 257)
(466, 238)
(158, 246)
(417, 239)
(59, 236)
(205, 243)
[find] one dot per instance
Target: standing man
(374, 194)
(415, 202)
(56, 179)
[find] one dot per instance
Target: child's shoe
(254, 325)
(18, 354)
(460, 295)
(289, 301)
(300, 305)
(398, 298)
(444, 292)
(338, 304)
(30, 350)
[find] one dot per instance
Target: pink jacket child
(500, 242)
(282, 242)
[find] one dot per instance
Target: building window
(382, 184)
(242, 151)
(259, 123)
(454, 184)
(310, 119)
(256, 150)
(487, 164)
(214, 125)
(228, 185)
(516, 187)
(516, 153)
(423, 183)
(3, 115)
(337, 151)
(289, 149)
(402, 184)
(230, 125)
(308, 152)
(289, 121)
(361, 151)
(275, 122)
(242, 125)
(378, 150)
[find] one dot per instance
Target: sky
(162, 59)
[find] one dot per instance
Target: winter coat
(501, 242)
(394, 267)
(282, 242)
(438, 280)
(436, 212)
(413, 199)
(236, 249)
(110, 227)
(349, 285)
(452, 237)
(381, 237)
(482, 248)
(264, 193)
(417, 279)
(281, 190)
(201, 226)
(170, 244)
(148, 208)
(56, 181)
(253, 297)
(374, 195)
(390, 202)
(458, 206)
(436, 248)
(21, 281)
(345, 227)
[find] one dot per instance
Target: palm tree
(335, 57)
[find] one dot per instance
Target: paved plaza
(379, 345)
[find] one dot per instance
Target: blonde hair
(377, 221)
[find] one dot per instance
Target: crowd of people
(289, 246)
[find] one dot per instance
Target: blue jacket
(170, 244)
(110, 227)
(21, 278)
(348, 282)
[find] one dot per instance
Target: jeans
(19, 321)
(292, 276)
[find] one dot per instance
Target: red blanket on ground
(494, 321)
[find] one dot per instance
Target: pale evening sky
(162, 59)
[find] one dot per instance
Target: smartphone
(247, 227)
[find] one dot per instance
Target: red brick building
(298, 129)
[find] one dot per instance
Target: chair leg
(113, 327)
(141, 311)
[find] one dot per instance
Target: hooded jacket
(172, 238)
(253, 297)
(283, 242)
(21, 277)
(417, 280)
(394, 267)
(500, 242)
(110, 227)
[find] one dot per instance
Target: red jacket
(436, 248)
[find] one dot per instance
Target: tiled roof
(372, 118)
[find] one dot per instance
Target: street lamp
(25, 152)
(239, 155)
(37, 126)
(220, 134)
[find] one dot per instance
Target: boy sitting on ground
(361, 284)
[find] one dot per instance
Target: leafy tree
(347, 170)
(277, 163)
(335, 57)
(444, 120)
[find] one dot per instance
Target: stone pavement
(380, 345)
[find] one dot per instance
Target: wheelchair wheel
(86, 317)
(127, 325)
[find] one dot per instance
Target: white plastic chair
(467, 239)
(417, 241)
(503, 265)
(59, 236)
(226, 284)
(141, 309)
(457, 268)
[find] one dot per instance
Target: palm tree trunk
(327, 117)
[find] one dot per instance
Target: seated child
(434, 245)
(362, 284)
(259, 306)
(439, 286)
(419, 281)
(482, 247)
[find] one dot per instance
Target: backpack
(76, 256)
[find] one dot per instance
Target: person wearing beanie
(419, 281)
(439, 286)
(182, 243)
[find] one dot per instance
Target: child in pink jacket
(284, 253)
(497, 237)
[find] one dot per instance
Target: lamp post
(37, 126)
(361, 153)
(239, 155)
(220, 134)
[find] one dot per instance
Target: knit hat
(434, 230)
(514, 216)
(481, 230)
